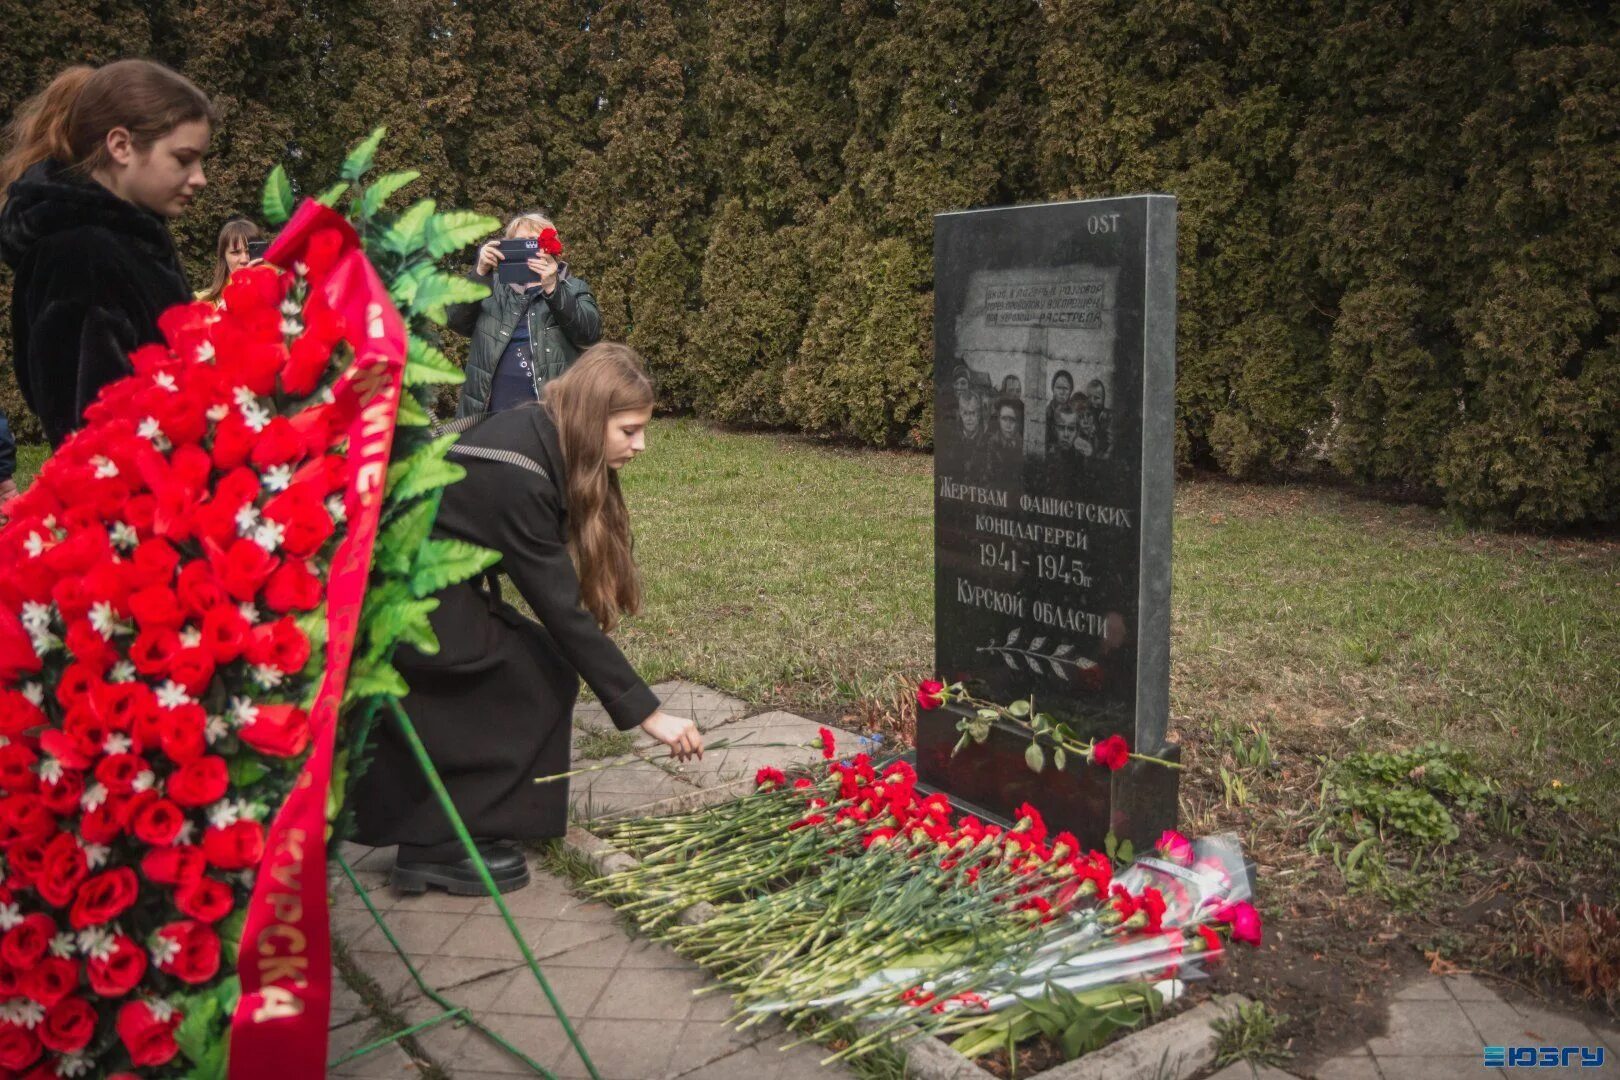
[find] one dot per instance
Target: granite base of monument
(1136, 803)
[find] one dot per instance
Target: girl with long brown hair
(231, 253)
(97, 164)
(494, 705)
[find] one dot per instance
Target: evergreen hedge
(1400, 220)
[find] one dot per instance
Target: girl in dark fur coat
(98, 163)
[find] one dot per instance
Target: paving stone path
(630, 1000)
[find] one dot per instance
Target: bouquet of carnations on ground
(844, 887)
(184, 628)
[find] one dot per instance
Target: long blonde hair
(607, 378)
(68, 121)
(231, 230)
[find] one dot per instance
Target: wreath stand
(453, 1013)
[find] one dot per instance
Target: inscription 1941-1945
(1054, 379)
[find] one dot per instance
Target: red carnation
(24, 944)
(550, 242)
(150, 1041)
(104, 897)
(829, 748)
(1112, 753)
(205, 899)
(158, 823)
(930, 694)
(278, 730)
(200, 782)
(196, 959)
(69, 1025)
(120, 970)
(50, 980)
(769, 775)
(236, 846)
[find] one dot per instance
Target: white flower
(244, 396)
(243, 711)
(327, 397)
(150, 429)
(277, 477)
(161, 1009)
(44, 642)
(10, 915)
(124, 535)
(35, 693)
(216, 413)
(116, 743)
(34, 545)
(269, 535)
(62, 945)
(205, 352)
(36, 617)
(122, 671)
(144, 780)
(187, 833)
(256, 416)
(72, 1065)
(95, 855)
(289, 306)
(104, 619)
(171, 695)
(291, 327)
(165, 380)
(164, 950)
(106, 468)
(335, 507)
(190, 637)
(246, 519)
(50, 770)
(249, 612)
(216, 730)
(228, 812)
(93, 796)
(98, 942)
(22, 1012)
(266, 676)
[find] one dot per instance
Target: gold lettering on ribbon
(282, 945)
(279, 1004)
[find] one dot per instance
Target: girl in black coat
(99, 161)
(494, 706)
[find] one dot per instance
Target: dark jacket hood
(50, 198)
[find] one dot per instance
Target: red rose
(233, 442)
(19, 715)
(236, 846)
(199, 589)
(155, 563)
(120, 971)
(153, 651)
(157, 608)
(68, 1026)
(122, 705)
(62, 872)
(306, 363)
(150, 1041)
(243, 568)
(304, 520)
(17, 763)
(159, 823)
(1112, 753)
(205, 899)
(185, 735)
(18, 1047)
(278, 730)
(280, 645)
(17, 656)
(106, 822)
(185, 327)
(174, 865)
(24, 818)
(72, 602)
(87, 646)
(293, 588)
(278, 444)
(104, 897)
(322, 252)
(251, 288)
(225, 632)
(63, 796)
(50, 980)
(120, 771)
(197, 959)
(200, 782)
(930, 694)
(24, 944)
(193, 669)
(25, 860)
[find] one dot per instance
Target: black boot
(448, 867)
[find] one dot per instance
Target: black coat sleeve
(575, 310)
(8, 450)
(534, 554)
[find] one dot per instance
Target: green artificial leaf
(229, 992)
(276, 204)
(1059, 759)
(402, 620)
(1127, 851)
(246, 771)
(426, 364)
(402, 290)
(446, 562)
(401, 538)
(196, 1031)
(405, 235)
(424, 471)
(313, 625)
(214, 1063)
(411, 413)
(437, 289)
(331, 195)
(359, 159)
(1035, 757)
(339, 784)
(1019, 709)
(374, 681)
(455, 229)
(383, 188)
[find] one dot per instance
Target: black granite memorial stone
(1054, 344)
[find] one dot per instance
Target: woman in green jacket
(523, 335)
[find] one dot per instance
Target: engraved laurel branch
(1032, 655)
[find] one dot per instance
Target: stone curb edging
(1181, 1047)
